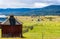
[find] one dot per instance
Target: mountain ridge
(49, 10)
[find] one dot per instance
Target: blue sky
(27, 3)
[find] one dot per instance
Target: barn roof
(6, 22)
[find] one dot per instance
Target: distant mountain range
(49, 10)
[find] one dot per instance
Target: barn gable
(6, 22)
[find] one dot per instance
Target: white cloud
(11, 4)
(41, 5)
(27, 3)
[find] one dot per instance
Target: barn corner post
(21, 31)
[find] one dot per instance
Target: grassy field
(43, 29)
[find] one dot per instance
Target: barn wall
(14, 30)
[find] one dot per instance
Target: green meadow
(43, 29)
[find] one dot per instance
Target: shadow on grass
(14, 37)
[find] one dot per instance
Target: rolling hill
(49, 10)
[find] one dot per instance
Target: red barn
(10, 28)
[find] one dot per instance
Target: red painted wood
(14, 30)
